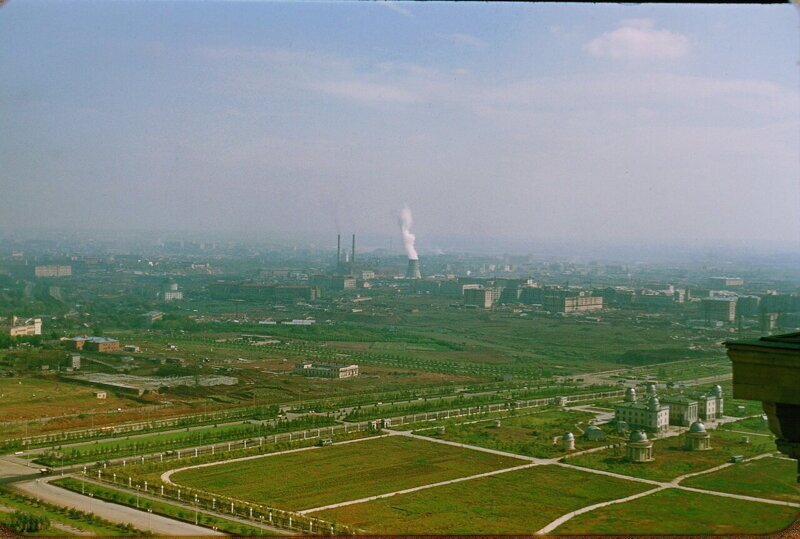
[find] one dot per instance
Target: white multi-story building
(651, 416)
(25, 327)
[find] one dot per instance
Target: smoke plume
(405, 228)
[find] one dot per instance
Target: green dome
(697, 426)
(653, 403)
(568, 436)
(638, 436)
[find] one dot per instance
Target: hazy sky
(593, 122)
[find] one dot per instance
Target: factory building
(321, 370)
(97, 344)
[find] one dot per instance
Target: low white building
(321, 370)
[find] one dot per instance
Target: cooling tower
(413, 269)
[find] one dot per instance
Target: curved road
(39, 488)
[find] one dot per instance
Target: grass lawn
(530, 434)
(672, 461)
(679, 512)
(520, 502)
(29, 398)
(765, 478)
(154, 443)
(751, 424)
(339, 473)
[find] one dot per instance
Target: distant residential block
(564, 301)
(52, 271)
(717, 308)
(25, 327)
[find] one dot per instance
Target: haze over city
(510, 123)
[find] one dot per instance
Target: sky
(575, 122)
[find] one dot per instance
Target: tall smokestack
(353, 251)
(412, 272)
(338, 249)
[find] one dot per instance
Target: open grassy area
(528, 434)
(339, 473)
(160, 508)
(29, 398)
(123, 447)
(519, 502)
(672, 461)
(770, 477)
(683, 513)
(751, 424)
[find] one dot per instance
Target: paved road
(117, 513)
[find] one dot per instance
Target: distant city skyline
(527, 123)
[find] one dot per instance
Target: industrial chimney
(338, 249)
(413, 269)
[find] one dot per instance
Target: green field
(519, 502)
(139, 445)
(529, 434)
(672, 461)
(770, 477)
(337, 473)
(683, 513)
(751, 424)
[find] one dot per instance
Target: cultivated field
(519, 502)
(338, 473)
(683, 513)
(769, 477)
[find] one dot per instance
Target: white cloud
(638, 39)
(368, 91)
(466, 39)
(397, 8)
